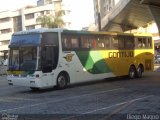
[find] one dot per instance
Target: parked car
(157, 59)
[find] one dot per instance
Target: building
(104, 8)
(25, 19)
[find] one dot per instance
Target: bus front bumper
(24, 81)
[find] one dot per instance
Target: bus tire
(62, 81)
(139, 71)
(132, 72)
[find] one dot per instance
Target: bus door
(48, 63)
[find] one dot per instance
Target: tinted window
(129, 42)
(85, 42)
(70, 42)
(50, 39)
(115, 42)
(28, 39)
(101, 42)
(143, 42)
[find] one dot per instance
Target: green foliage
(50, 21)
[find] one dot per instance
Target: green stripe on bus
(93, 62)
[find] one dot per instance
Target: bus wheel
(62, 81)
(139, 72)
(132, 72)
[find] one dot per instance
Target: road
(110, 99)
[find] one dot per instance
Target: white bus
(45, 58)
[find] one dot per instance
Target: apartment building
(25, 19)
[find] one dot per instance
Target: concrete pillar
(99, 16)
(23, 19)
(155, 11)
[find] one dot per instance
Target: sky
(82, 13)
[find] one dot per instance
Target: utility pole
(99, 16)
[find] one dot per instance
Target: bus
(44, 58)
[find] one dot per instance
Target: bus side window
(141, 42)
(115, 42)
(94, 43)
(121, 43)
(85, 42)
(70, 42)
(101, 42)
(149, 42)
(66, 42)
(107, 41)
(129, 42)
(75, 42)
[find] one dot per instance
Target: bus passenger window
(100, 45)
(75, 42)
(70, 42)
(107, 42)
(66, 42)
(121, 43)
(141, 43)
(115, 42)
(149, 42)
(129, 43)
(94, 43)
(101, 42)
(85, 42)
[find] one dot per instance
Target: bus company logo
(121, 54)
(69, 57)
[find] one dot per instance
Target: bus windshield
(24, 58)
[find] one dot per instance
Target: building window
(5, 31)
(47, 12)
(30, 27)
(4, 20)
(29, 16)
(17, 23)
(42, 13)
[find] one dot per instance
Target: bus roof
(40, 30)
(43, 30)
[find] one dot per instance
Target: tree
(50, 21)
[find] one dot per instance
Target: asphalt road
(110, 99)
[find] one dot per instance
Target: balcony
(3, 47)
(6, 36)
(30, 22)
(6, 25)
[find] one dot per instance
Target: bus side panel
(85, 66)
(146, 58)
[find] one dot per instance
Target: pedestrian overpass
(131, 14)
